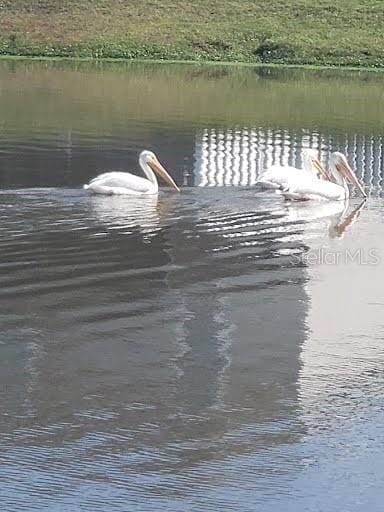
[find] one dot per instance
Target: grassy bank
(328, 32)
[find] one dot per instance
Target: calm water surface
(210, 350)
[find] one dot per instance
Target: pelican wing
(282, 177)
(120, 183)
(313, 188)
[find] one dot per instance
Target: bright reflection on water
(217, 349)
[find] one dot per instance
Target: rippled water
(216, 349)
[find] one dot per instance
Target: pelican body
(282, 177)
(124, 183)
(333, 188)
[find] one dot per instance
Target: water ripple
(172, 353)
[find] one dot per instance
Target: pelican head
(147, 158)
(311, 161)
(339, 163)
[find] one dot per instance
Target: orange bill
(160, 171)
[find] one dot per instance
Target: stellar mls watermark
(325, 256)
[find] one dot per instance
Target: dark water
(210, 350)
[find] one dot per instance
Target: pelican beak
(160, 171)
(320, 169)
(350, 176)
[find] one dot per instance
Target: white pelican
(334, 188)
(280, 177)
(124, 183)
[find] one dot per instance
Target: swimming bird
(124, 183)
(333, 188)
(282, 177)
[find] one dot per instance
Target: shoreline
(191, 62)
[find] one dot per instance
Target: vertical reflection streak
(237, 156)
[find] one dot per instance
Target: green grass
(325, 32)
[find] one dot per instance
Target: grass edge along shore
(170, 54)
(300, 32)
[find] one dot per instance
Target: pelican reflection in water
(334, 217)
(338, 228)
(129, 214)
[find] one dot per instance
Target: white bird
(281, 177)
(334, 188)
(124, 183)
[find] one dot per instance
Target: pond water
(216, 349)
